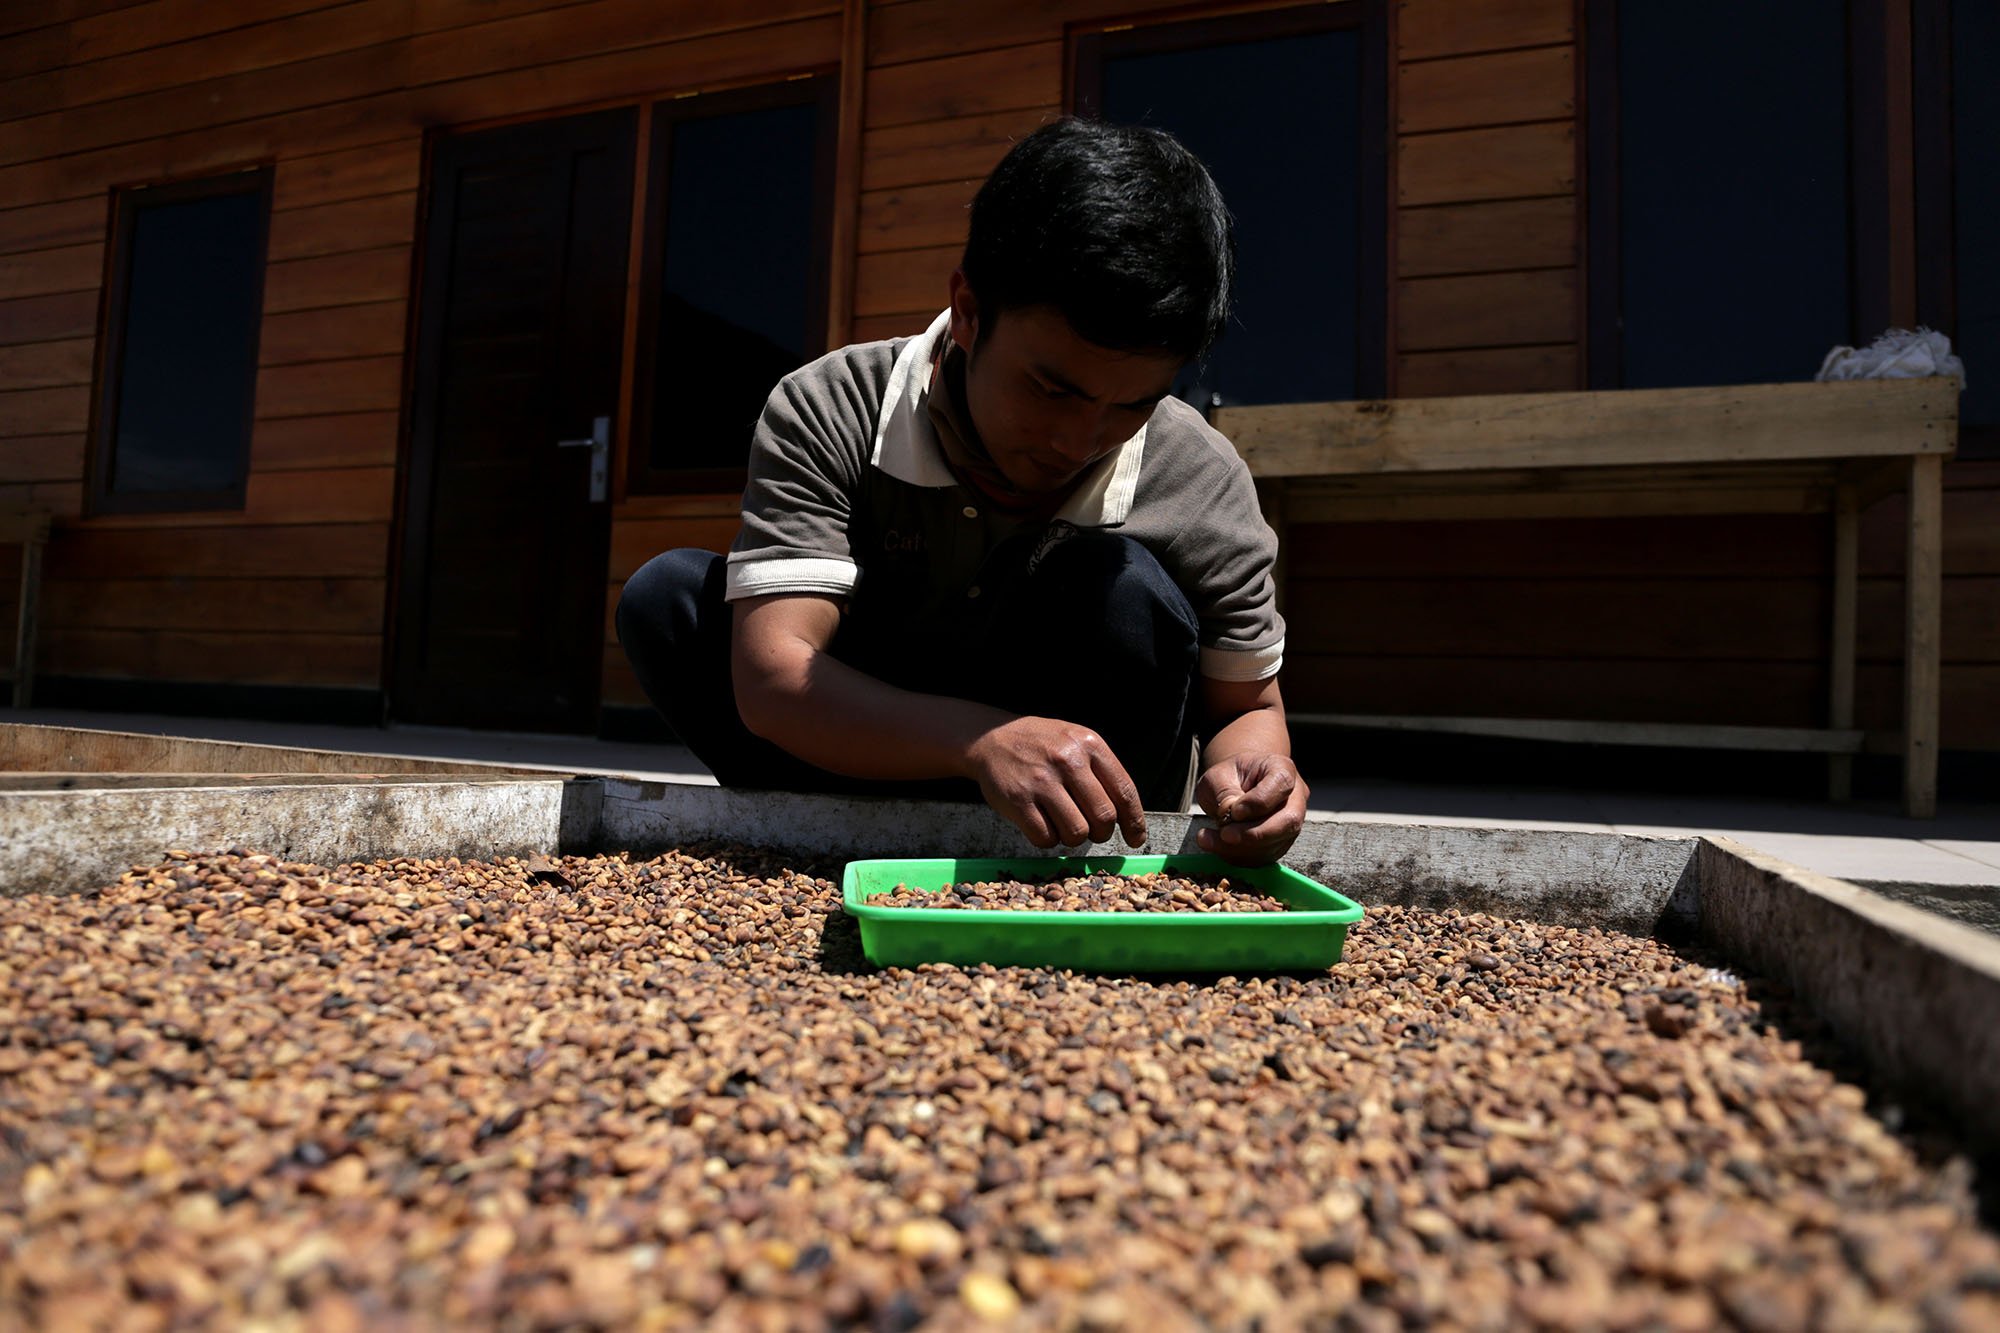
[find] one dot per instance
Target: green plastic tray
(1306, 938)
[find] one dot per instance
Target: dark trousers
(1090, 630)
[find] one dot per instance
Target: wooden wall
(1717, 619)
(96, 94)
(1696, 619)
(1699, 619)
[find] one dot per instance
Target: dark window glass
(183, 371)
(1277, 121)
(740, 299)
(1734, 216)
(1975, 40)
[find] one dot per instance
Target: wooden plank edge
(1923, 600)
(67, 781)
(38, 747)
(850, 123)
(1650, 427)
(1448, 507)
(1676, 735)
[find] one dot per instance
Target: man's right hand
(1056, 782)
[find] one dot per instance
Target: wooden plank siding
(292, 588)
(1486, 223)
(1712, 619)
(1721, 619)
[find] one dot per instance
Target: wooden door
(506, 529)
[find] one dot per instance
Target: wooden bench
(31, 533)
(1768, 448)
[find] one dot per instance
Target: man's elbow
(766, 698)
(755, 703)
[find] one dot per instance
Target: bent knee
(664, 591)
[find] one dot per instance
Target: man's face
(1046, 403)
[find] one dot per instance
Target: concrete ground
(1867, 841)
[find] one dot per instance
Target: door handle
(599, 445)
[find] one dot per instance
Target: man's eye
(1050, 391)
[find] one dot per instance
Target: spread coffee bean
(597, 1092)
(1157, 892)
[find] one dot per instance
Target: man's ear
(964, 312)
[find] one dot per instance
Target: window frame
(1870, 258)
(127, 202)
(1090, 45)
(1935, 148)
(819, 87)
(1936, 130)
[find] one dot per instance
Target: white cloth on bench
(1899, 354)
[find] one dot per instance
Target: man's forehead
(1050, 347)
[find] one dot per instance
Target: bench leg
(1840, 657)
(1924, 597)
(1271, 497)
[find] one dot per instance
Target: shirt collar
(907, 447)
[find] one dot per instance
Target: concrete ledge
(1972, 904)
(70, 841)
(1913, 994)
(1617, 881)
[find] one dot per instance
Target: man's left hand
(1259, 804)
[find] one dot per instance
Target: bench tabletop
(1726, 425)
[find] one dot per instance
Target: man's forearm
(845, 721)
(1257, 731)
(1249, 784)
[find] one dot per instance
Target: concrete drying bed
(1905, 991)
(600, 1091)
(1911, 993)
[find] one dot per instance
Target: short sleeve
(1198, 509)
(806, 458)
(1231, 554)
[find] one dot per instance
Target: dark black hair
(1118, 227)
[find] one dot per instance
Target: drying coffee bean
(670, 1093)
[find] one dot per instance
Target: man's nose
(1083, 438)
(1074, 446)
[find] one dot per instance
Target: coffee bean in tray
(1156, 892)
